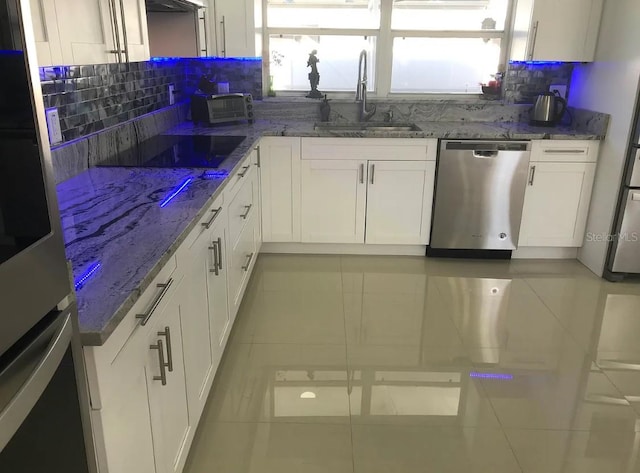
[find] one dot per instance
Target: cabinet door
(399, 201)
(86, 31)
(333, 201)
(217, 291)
(235, 28)
(122, 427)
(545, 30)
(280, 181)
(556, 204)
(45, 28)
(135, 20)
(198, 356)
(168, 401)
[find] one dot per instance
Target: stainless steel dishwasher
(479, 195)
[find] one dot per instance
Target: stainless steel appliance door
(25, 378)
(634, 180)
(627, 245)
(33, 270)
(479, 195)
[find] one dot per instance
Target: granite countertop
(118, 234)
(438, 129)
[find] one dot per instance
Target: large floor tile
(405, 385)
(547, 451)
(398, 319)
(575, 301)
(620, 323)
(384, 275)
(281, 383)
(478, 268)
(411, 449)
(623, 370)
(299, 273)
(292, 317)
(271, 448)
(551, 267)
(565, 397)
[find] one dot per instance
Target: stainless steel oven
(33, 272)
(44, 408)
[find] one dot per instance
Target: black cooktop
(177, 151)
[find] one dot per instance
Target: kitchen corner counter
(118, 236)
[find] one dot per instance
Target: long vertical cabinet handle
(163, 371)
(219, 253)
(533, 41)
(116, 30)
(373, 171)
(361, 172)
(204, 50)
(257, 150)
(124, 31)
(166, 333)
(532, 175)
(224, 37)
(214, 248)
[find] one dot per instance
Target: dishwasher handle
(484, 154)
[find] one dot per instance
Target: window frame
(385, 36)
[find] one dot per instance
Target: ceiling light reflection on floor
(308, 395)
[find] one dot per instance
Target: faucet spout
(364, 113)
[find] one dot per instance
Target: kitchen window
(414, 46)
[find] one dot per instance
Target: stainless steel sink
(367, 126)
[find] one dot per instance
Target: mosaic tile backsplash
(523, 82)
(94, 97)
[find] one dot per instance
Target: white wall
(172, 34)
(609, 85)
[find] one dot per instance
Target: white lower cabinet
(399, 202)
(334, 195)
(166, 386)
(556, 204)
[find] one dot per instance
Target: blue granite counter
(118, 235)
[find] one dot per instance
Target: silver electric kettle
(548, 109)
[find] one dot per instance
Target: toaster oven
(211, 109)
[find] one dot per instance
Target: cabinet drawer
(241, 257)
(149, 302)
(242, 207)
(387, 149)
(570, 151)
(242, 175)
(213, 215)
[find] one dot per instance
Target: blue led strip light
(475, 374)
(87, 274)
(179, 189)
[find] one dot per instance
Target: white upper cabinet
(399, 201)
(109, 31)
(549, 30)
(238, 31)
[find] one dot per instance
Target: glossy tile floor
(402, 364)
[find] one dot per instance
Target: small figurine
(314, 77)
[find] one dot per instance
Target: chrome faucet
(361, 90)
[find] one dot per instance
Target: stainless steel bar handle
(163, 371)
(167, 334)
(208, 223)
(245, 268)
(124, 31)
(257, 149)
(246, 214)
(146, 316)
(244, 171)
(204, 50)
(220, 253)
(214, 248)
(116, 30)
(361, 172)
(224, 37)
(373, 171)
(565, 151)
(533, 41)
(532, 175)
